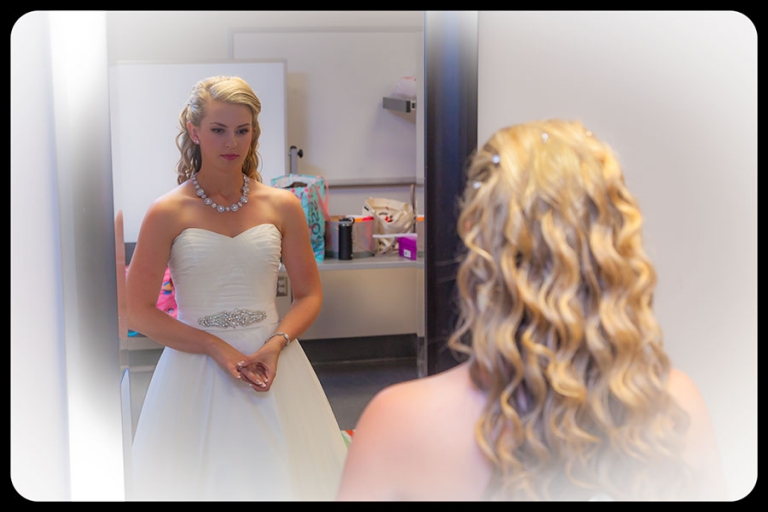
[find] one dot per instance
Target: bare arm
(299, 261)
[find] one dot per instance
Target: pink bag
(166, 300)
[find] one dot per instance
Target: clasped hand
(259, 369)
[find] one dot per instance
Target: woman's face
(224, 134)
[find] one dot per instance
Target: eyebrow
(225, 126)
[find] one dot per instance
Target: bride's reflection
(216, 389)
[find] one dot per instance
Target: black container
(345, 238)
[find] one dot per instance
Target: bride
(234, 410)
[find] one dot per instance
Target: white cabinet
(381, 295)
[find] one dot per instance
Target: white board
(146, 100)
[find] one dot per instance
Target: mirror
(339, 67)
(37, 251)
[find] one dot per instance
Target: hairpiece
(496, 159)
(477, 184)
(544, 137)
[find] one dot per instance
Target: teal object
(312, 191)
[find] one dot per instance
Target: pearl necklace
(219, 208)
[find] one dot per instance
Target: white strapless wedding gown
(203, 435)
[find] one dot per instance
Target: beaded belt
(233, 318)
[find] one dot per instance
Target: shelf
(381, 261)
(404, 181)
(399, 104)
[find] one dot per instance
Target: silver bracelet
(287, 338)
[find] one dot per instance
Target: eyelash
(221, 130)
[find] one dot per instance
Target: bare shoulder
(379, 415)
(408, 414)
(409, 434)
(283, 206)
(286, 202)
(164, 219)
(685, 392)
(411, 397)
(701, 451)
(168, 205)
(277, 197)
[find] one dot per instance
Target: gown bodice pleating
(203, 435)
(212, 272)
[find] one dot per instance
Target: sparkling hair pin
(544, 137)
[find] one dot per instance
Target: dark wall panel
(450, 72)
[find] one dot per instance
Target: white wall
(328, 131)
(65, 407)
(675, 94)
(38, 406)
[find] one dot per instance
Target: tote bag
(312, 191)
(392, 217)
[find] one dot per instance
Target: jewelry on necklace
(220, 208)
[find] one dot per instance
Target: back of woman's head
(227, 89)
(556, 294)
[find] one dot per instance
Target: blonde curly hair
(555, 294)
(228, 89)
